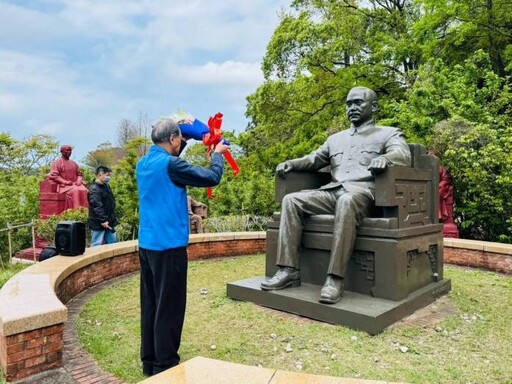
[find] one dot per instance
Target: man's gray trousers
(349, 208)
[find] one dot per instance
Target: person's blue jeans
(98, 237)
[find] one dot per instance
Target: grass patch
(473, 346)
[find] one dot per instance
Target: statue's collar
(362, 128)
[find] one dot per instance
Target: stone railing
(32, 303)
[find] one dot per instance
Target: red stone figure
(446, 201)
(66, 173)
(446, 204)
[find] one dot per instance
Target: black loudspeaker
(70, 238)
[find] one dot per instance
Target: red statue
(62, 189)
(446, 201)
(446, 204)
(68, 177)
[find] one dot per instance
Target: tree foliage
(23, 163)
(26, 156)
(105, 154)
(442, 72)
(124, 187)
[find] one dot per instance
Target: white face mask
(106, 180)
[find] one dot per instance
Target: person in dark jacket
(102, 204)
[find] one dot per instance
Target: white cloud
(228, 73)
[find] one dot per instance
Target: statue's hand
(283, 168)
(68, 183)
(378, 165)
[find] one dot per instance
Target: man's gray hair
(163, 130)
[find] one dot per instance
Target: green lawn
(474, 345)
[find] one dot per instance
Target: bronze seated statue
(398, 246)
(397, 263)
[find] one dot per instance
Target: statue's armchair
(399, 246)
(51, 202)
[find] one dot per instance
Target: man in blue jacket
(162, 178)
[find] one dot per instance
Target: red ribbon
(211, 139)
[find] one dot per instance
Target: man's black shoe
(332, 290)
(285, 277)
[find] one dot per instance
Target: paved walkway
(78, 364)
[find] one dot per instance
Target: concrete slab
(356, 311)
(201, 370)
(284, 377)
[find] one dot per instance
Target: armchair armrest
(409, 194)
(297, 181)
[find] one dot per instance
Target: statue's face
(66, 152)
(360, 106)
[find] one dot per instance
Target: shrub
(244, 223)
(45, 228)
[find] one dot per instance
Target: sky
(75, 68)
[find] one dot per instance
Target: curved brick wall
(32, 313)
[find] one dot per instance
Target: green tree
(27, 156)
(464, 112)
(453, 30)
(430, 61)
(124, 187)
(318, 52)
(105, 154)
(23, 163)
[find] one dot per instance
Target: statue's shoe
(332, 290)
(285, 277)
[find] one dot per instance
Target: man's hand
(283, 168)
(378, 165)
(105, 225)
(221, 147)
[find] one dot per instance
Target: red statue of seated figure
(68, 177)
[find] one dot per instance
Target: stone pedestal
(355, 310)
(450, 230)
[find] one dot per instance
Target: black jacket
(102, 205)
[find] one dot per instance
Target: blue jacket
(161, 182)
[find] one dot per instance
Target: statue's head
(66, 150)
(361, 105)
